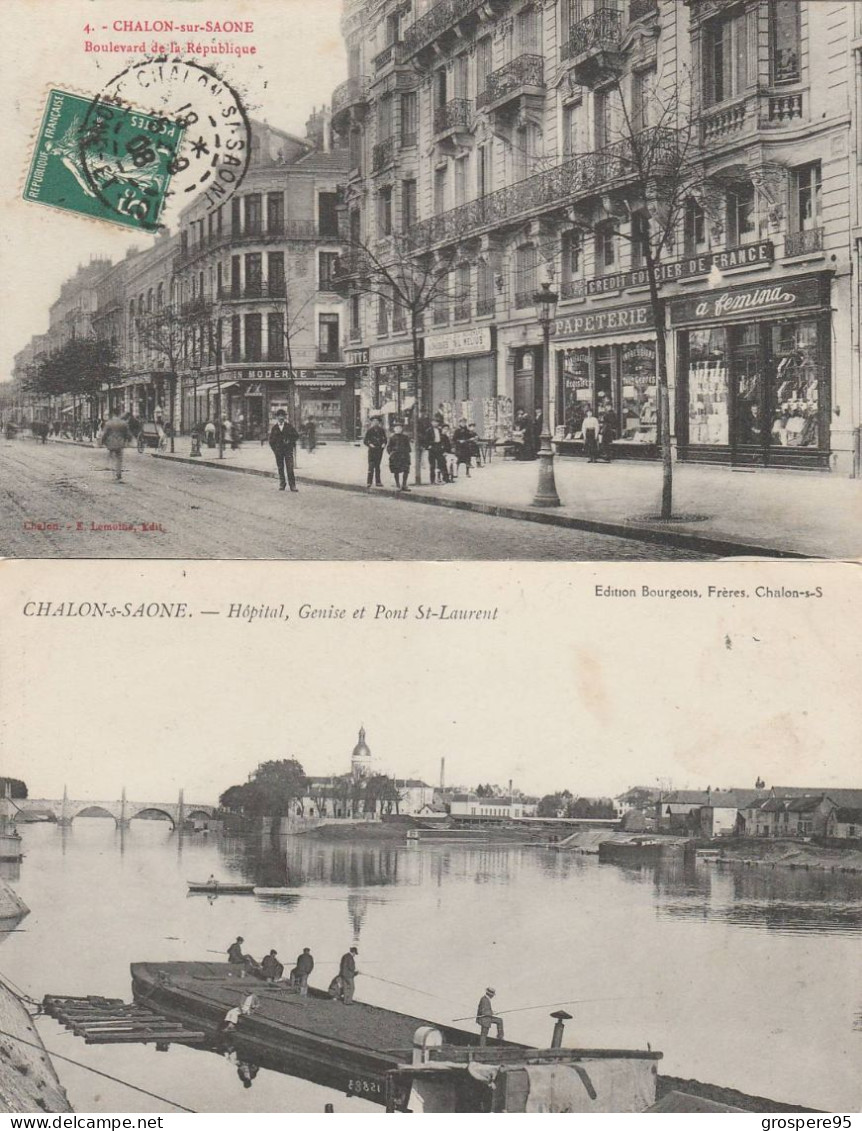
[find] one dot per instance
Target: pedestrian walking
(485, 1016)
(590, 432)
(302, 970)
(115, 436)
(375, 441)
(608, 433)
(310, 434)
(282, 440)
(210, 433)
(399, 456)
(347, 973)
(435, 442)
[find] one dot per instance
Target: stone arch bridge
(123, 810)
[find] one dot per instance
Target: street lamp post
(546, 488)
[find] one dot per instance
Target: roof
(789, 804)
(736, 798)
(412, 783)
(336, 161)
(848, 816)
(847, 797)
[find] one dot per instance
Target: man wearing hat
(375, 441)
(435, 442)
(485, 1017)
(282, 440)
(347, 973)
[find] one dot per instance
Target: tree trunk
(417, 400)
(657, 304)
(172, 385)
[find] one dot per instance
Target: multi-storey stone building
(262, 265)
(495, 125)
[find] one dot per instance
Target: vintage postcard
(472, 839)
(431, 279)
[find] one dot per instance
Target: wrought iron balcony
(527, 71)
(579, 178)
(352, 267)
(463, 311)
(272, 288)
(440, 316)
(485, 306)
(392, 53)
(802, 243)
(383, 154)
(594, 46)
(523, 299)
(455, 115)
(443, 17)
(572, 288)
(353, 92)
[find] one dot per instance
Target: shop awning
(604, 340)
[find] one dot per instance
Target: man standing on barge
(485, 1017)
(347, 972)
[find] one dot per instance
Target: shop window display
(638, 400)
(708, 417)
(577, 390)
(795, 385)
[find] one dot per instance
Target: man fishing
(347, 973)
(485, 1017)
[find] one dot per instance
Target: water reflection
(647, 953)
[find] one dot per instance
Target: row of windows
(243, 338)
(247, 215)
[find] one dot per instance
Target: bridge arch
(148, 809)
(95, 810)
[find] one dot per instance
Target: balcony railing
(455, 115)
(444, 15)
(600, 31)
(440, 315)
(485, 306)
(580, 177)
(352, 266)
(717, 123)
(328, 354)
(353, 92)
(526, 70)
(463, 311)
(640, 8)
(525, 298)
(785, 107)
(392, 53)
(355, 334)
(801, 243)
(572, 288)
(383, 154)
(273, 288)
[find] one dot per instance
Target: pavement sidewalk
(717, 509)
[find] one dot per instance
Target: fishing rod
(401, 985)
(525, 1008)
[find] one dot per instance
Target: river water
(743, 977)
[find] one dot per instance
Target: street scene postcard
(432, 279)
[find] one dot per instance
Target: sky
(300, 59)
(562, 690)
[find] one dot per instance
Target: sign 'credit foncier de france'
(747, 255)
(622, 319)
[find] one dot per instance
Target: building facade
(260, 268)
(493, 127)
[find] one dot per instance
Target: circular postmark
(164, 128)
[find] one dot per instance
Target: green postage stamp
(103, 160)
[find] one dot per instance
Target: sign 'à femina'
(748, 302)
(747, 255)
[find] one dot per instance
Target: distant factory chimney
(442, 773)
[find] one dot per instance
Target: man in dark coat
(485, 1017)
(609, 433)
(463, 438)
(234, 952)
(399, 456)
(270, 968)
(347, 973)
(435, 442)
(375, 441)
(282, 440)
(302, 970)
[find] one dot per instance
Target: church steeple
(360, 761)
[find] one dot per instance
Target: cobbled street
(181, 511)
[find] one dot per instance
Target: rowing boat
(217, 887)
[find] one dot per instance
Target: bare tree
(164, 332)
(411, 282)
(652, 171)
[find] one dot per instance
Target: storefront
(393, 382)
(753, 374)
(360, 378)
(327, 399)
(460, 371)
(606, 363)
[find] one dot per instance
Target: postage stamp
(103, 160)
(213, 154)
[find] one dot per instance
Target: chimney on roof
(442, 773)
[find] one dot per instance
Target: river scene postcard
(508, 840)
